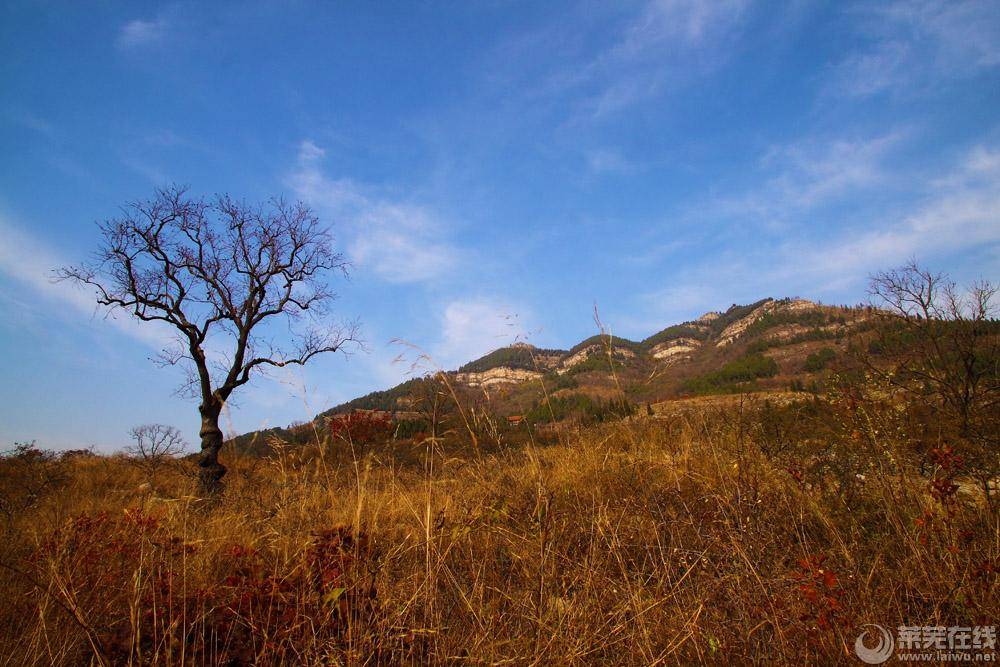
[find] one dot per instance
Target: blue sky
(492, 170)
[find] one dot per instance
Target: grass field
(686, 537)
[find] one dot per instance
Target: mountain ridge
(770, 345)
(771, 323)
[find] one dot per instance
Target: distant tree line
(519, 357)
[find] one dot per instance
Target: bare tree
(223, 275)
(944, 341)
(153, 445)
(947, 336)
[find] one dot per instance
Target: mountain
(771, 344)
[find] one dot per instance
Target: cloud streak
(669, 40)
(962, 212)
(472, 327)
(400, 242)
(140, 33)
(959, 213)
(29, 261)
(593, 67)
(914, 45)
(806, 175)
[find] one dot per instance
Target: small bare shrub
(154, 446)
(27, 476)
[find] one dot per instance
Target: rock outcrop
(739, 327)
(675, 348)
(495, 376)
(582, 355)
(577, 358)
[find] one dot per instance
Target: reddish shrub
(361, 427)
(819, 590)
(255, 612)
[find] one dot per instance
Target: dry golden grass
(649, 541)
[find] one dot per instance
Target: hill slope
(771, 344)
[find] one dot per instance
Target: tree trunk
(211, 442)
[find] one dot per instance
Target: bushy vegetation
(516, 356)
(799, 385)
(603, 341)
(732, 375)
(674, 332)
(580, 408)
(361, 428)
(406, 429)
(734, 313)
(819, 360)
(764, 344)
(813, 318)
(387, 400)
(555, 381)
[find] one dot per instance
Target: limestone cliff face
(668, 353)
(737, 328)
(548, 361)
(789, 331)
(799, 304)
(582, 355)
(499, 375)
(577, 358)
(675, 348)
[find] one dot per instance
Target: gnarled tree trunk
(211, 443)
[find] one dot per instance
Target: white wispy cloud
(798, 177)
(912, 45)
(589, 67)
(33, 122)
(958, 211)
(608, 160)
(668, 41)
(399, 241)
(139, 33)
(667, 22)
(31, 262)
(806, 174)
(471, 327)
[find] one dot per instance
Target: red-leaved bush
(819, 591)
(361, 427)
(124, 581)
